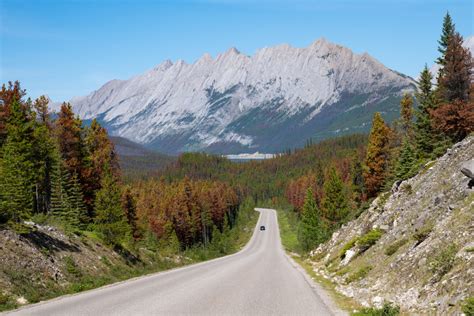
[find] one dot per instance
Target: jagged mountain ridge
(237, 103)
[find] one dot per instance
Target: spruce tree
(312, 230)
(377, 157)
(446, 33)
(406, 164)
(424, 133)
(17, 170)
(110, 220)
(334, 204)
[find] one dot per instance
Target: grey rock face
(427, 222)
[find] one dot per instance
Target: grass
(468, 306)
(387, 310)
(36, 288)
(393, 248)
(363, 242)
(344, 302)
(443, 262)
(359, 274)
(288, 224)
(423, 233)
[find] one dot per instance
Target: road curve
(258, 280)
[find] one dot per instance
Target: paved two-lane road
(258, 280)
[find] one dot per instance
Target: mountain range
(276, 99)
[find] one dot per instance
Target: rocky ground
(414, 246)
(47, 262)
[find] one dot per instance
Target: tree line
(69, 172)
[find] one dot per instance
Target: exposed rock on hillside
(414, 246)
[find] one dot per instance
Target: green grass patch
(393, 248)
(467, 306)
(359, 274)
(288, 224)
(423, 233)
(443, 262)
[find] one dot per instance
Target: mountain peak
(226, 100)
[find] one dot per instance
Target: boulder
(467, 168)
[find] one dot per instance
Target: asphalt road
(258, 280)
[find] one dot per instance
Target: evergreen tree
(7, 96)
(110, 220)
(17, 169)
(378, 155)
(455, 115)
(406, 164)
(357, 179)
(335, 204)
(426, 138)
(43, 155)
(130, 208)
(456, 75)
(446, 33)
(312, 230)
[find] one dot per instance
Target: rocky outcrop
(418, 242)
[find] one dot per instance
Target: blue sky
(71, 47)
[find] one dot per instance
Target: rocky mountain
(234, 103)
(414, 245)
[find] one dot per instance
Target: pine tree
(110, 220)
(406, 164)
(130, 208)
(334, 204)
(377, 158)
(446, 33)
(312, 230)
(426, 138)
(17, 169)
(357, 179)
(456, 75)
(7, 95)
(455, 115)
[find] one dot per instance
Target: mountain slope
(236, 103)
(414, 245)
(137, 161)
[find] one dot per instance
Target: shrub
(359, 274)
(3, 298)
(392, 248)
(421, 234)
(443, 262)
(387, 310)
(348, 246)
(468, 307)
(71, 267)
(369, 239)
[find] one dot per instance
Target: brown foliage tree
(377, 158)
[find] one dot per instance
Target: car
(262, 227)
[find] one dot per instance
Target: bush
(422, 234)
(3, 299)
(369, 239)
(392, 248)
(468, 307)
(71, 267)
(387, 310)
(348, 246)
(443, 262)
(359, 274)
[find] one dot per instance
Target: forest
(55, 167)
